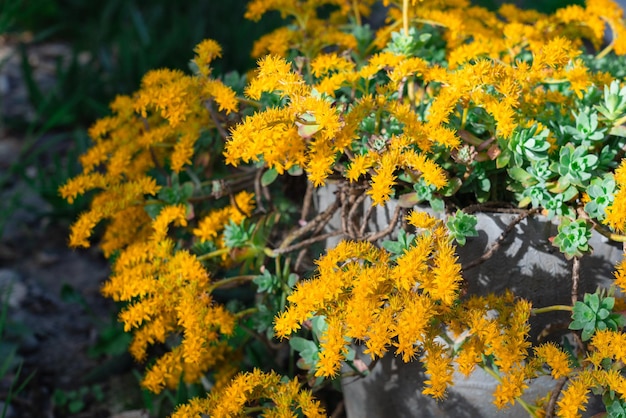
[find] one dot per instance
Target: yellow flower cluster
(472, 31)
(496, 326)
(309, 132)
(310, 33)
(279, 398)
(210, 226)
(484, 71)
(155, 128)
(367, 297)
(305, 133)
(169, 290)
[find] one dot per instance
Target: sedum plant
(202, 192)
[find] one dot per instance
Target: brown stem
(495, 207)
(323, 217)
(229, 185)
(303, 251)
(378, 235)
(496, 245)
(366, 218)
(308, 198)
(215, 117)
(401, 85)
(354, 206)
(306, 243)
(301, 254)
(607, 233)
(575, 279)
(373, 364)
(230, 282)
(554, 395)
(271, 346)
(345, 213)
(257, 190)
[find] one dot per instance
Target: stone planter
(526, 263)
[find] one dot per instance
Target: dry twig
(306, 242)
(378, 235)
(214, 116)
(322, 218)
(554, 395)
(496, 245)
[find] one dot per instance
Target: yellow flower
(379, 333)
(359, 166)
(439, 369)
(411, 324)
(446, 274)
(431, 172)
(510, 387)
(275, 75)
(383, 180)
(255, 387)
(620, 274)
(325, 63)
(206, 51)
(332, 348)
(555, 358)
(469, 356)
(277, 43)
(422, 220)
(169, 214)
(616, 212)
(573, 399)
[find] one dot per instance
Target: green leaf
(308, 349)
(603, 313)
(608, 303)
(503, 159)
(300, 344)
(76, 405)
(588, 331)
(618, 131)
(319, 326)
(453, 186)
(307, 126)
(292, 279)
(408, 200)
(392, 246)
(295, 170)
(350, 354)
(593, 301)
(153, 209)
(519, 174)
(437, 205)
(268, 177)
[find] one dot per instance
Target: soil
(57, 321)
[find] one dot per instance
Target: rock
(10, 282)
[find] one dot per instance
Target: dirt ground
(60, 327)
